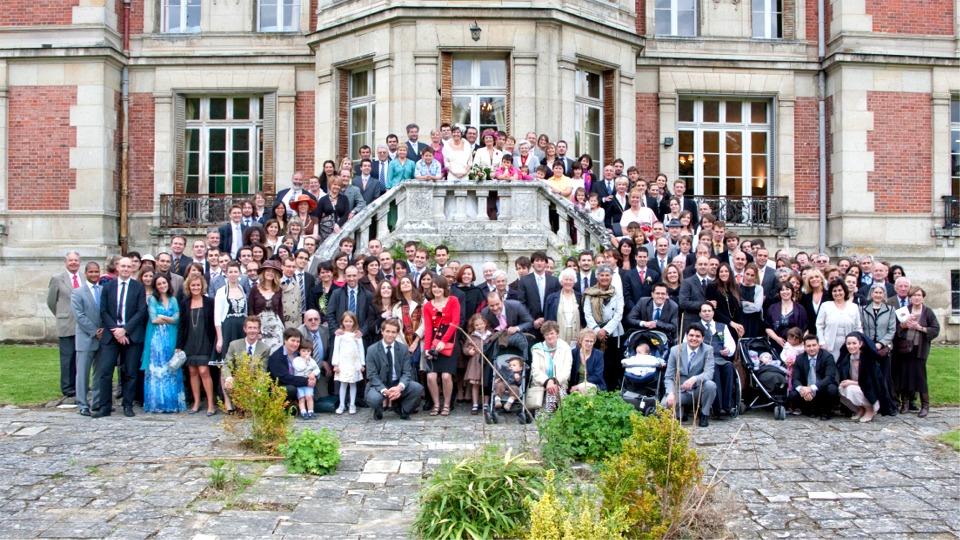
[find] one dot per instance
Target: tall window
(279, 16)
(955, 292)
(223, 142)
(676, 17)
(955, 146)
(768, 19)
(588, 115)
(725, 146)
(362, 111)
(181, 16)
(480, 92)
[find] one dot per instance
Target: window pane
(711, 111)
(955, 111)
(734, 186)
(758, 142)
(734, 142)
(711, 142)
(461, 110)
(173, 16)
(241, 139)
(493, 112)
(662, 17)
(358, 121)
(711, 165)
(734, 112)
(685, 145)
(758, 112)
(268, 15)
(291, 15)
(591, 85)
(218, 108)
(493, 73)
(685, 111)
(592, 124)
(734, 167)
(358, 85)
(241, 108)
(193, 108)
(711, 186)
(462, 70)
(687, 23)
(192, 147)
(193, 15)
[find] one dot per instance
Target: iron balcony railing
(951, 212)
(191, 210)
(770, 212)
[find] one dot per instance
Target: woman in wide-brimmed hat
(266, 302)
(305, 205)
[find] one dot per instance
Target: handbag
(177, 360)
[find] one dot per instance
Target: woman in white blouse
(838, 318)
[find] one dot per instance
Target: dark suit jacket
(633, 289)
(769, 284)
(599, 186)
(826, 371)
(864, 293)
(185, 318)
(184, 263)
(337, 305)
(530, 295)
(373, 187)
(669, 315)
(378, 370)
(226, 237)
(724, 257)
(136, 309)
(612, 214)
(413, 150)
(691, 206)
(692, 296)
(279, 369)
(594, 369)
(578, 285)
(567, 165)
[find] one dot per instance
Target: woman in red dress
(441, 315)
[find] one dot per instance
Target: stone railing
(504, 217)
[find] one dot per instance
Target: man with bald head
(123, 313)
(317, 333)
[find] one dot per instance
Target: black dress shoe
(404, 415)
(703, 422)
(99, 413)
(684, 418)
(824, 417)
(378, 414)
(128, 412)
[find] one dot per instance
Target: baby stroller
(642, 384)
(502, 365)
(767, 382)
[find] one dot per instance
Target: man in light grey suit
(690, 366)
(251, 344)
(388, 374)
(58, 300)
(85, 305)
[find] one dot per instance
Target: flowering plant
(479, 173)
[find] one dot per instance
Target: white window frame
(184, 9)
(674, 13)
(477, 93)
(283, 25)
(366, 102)
(582, 103)
(205, 124)
(764, 14)
(745, 126)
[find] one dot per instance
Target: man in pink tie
(58, 300)
(511, 318)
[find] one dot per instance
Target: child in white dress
(348, 360)
(304, 366)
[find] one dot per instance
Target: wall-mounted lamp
(668, 142)
(475, 31)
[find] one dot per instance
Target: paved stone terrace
(67, 476)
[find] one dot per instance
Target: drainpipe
(125, 136)
(822, 124)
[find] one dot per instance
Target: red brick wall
(901, 142)
(304, 158)
(806, 172)
(648, 135)
(641, 17)
(136, 16)
(40, 177)
(828, 113)
(811, 18)
(37, 12)
(142, 130)
(313, 16)
(929, 17)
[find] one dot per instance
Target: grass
(952, 438)
(943, 375)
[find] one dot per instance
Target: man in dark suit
(123, 312)
(535, 287)
(688, 380)
(814, 380)
(656, 202)
(511, 317)
(879, 277)
(59, 294)
(586, 277)
(353, 298)
(388, 374)
(304, 279)
(767, 278)
(613, 211)
(231, 233)
(563, 159)
(658, 312)
(85, 304)
(367, 184)
(901, 289)
(638, 283)
(285, 195)
(179, 261)
(605, 186)
(693, 292)
(280, 365)
(414, 146)
(686, 203)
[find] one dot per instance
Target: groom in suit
(388, 374)
(85, 304)
(690, 366)
(123, 311)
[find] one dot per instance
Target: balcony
(951, 212)
(195, 211)
(750, 212)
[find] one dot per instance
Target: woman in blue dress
(163, 387)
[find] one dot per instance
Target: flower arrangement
(479, 174)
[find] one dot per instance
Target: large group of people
(366, 330)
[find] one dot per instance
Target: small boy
(513, 380)
(303, 366)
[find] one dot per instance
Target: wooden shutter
(269, 142)
(179, 125)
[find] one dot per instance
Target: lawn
(952, 438)
(943, 375)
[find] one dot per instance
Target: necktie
(586, 283)
(382, 181)
(96, 295)
(609, 186)
(739, 279)
(540, 290)
(352, 305)
(710, 329)
(290, 366)
(690, 358)
(703, 283)
(317, 347)
(250, 350)
(390, 363)
(176, 266)
(76, 282)
(903, 302)
(641, 275)
(656, 314)
(501, 321)
(123, 297)
(812, 376)
(303, 291)
(363, 182)
(662, 264)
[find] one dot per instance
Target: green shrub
(263, 422)
(312, 452)
(484, 495)
(655, 478)
(586, 428)
(573, 514)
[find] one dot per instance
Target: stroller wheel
(487, 417)
(495, 417)
(650, 410)
(779, 412)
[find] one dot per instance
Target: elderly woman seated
(549, 370)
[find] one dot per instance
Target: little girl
(791, 351)
(472, 348)
(595, 212)
(348, 361)
(580, 199)
(304, 366)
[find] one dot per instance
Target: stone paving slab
(67, 476)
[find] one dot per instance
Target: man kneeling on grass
(388, 375)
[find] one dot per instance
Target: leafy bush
(573, 514)
(312, 452)
(586, 428)
(260, 400)
(656, 478)
(484, 495)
